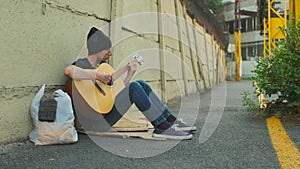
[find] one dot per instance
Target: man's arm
(132, 67)
(78, 73)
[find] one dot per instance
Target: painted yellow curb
(287, 153)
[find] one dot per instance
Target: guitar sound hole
(110, 83)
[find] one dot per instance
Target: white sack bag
(62, 130)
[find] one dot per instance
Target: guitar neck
(119, 73)
(137, 60)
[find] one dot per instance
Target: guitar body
(95, 99)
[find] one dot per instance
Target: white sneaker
(180, 125)
(171, 133)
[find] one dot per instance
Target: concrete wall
(41, 37)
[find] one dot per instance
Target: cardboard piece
(132, 125)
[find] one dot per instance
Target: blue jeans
(140, 94)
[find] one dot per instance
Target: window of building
(243, 24)
(231, 27)
(244, 53)
(251, 51)
(249, 24)
(260, 50)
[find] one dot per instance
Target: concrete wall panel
(97, 8)
(201, 48)
(170, 32)
(168, 7)
(138, 6)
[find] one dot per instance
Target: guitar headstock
(139, 59)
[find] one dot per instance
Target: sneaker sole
(186, 129)
(187, 137)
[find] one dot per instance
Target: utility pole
(237, 41)
(237, 37)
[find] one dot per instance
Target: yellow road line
(287, 153)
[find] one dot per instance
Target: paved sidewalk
(227, 137)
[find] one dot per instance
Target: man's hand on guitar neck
(131, 69)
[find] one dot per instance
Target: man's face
(105, 55)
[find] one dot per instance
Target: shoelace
(174, 126)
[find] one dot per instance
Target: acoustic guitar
(100, 96)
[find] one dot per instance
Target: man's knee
(142, 82)
(134, 86)
(144, 85)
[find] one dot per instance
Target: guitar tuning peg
(138, 58)
(135, 56)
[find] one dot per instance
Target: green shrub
(250, 101)
(279, 74)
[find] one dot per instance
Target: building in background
(252, 43)
(252, 40)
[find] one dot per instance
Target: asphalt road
(227, 137)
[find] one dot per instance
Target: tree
(214, 5)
